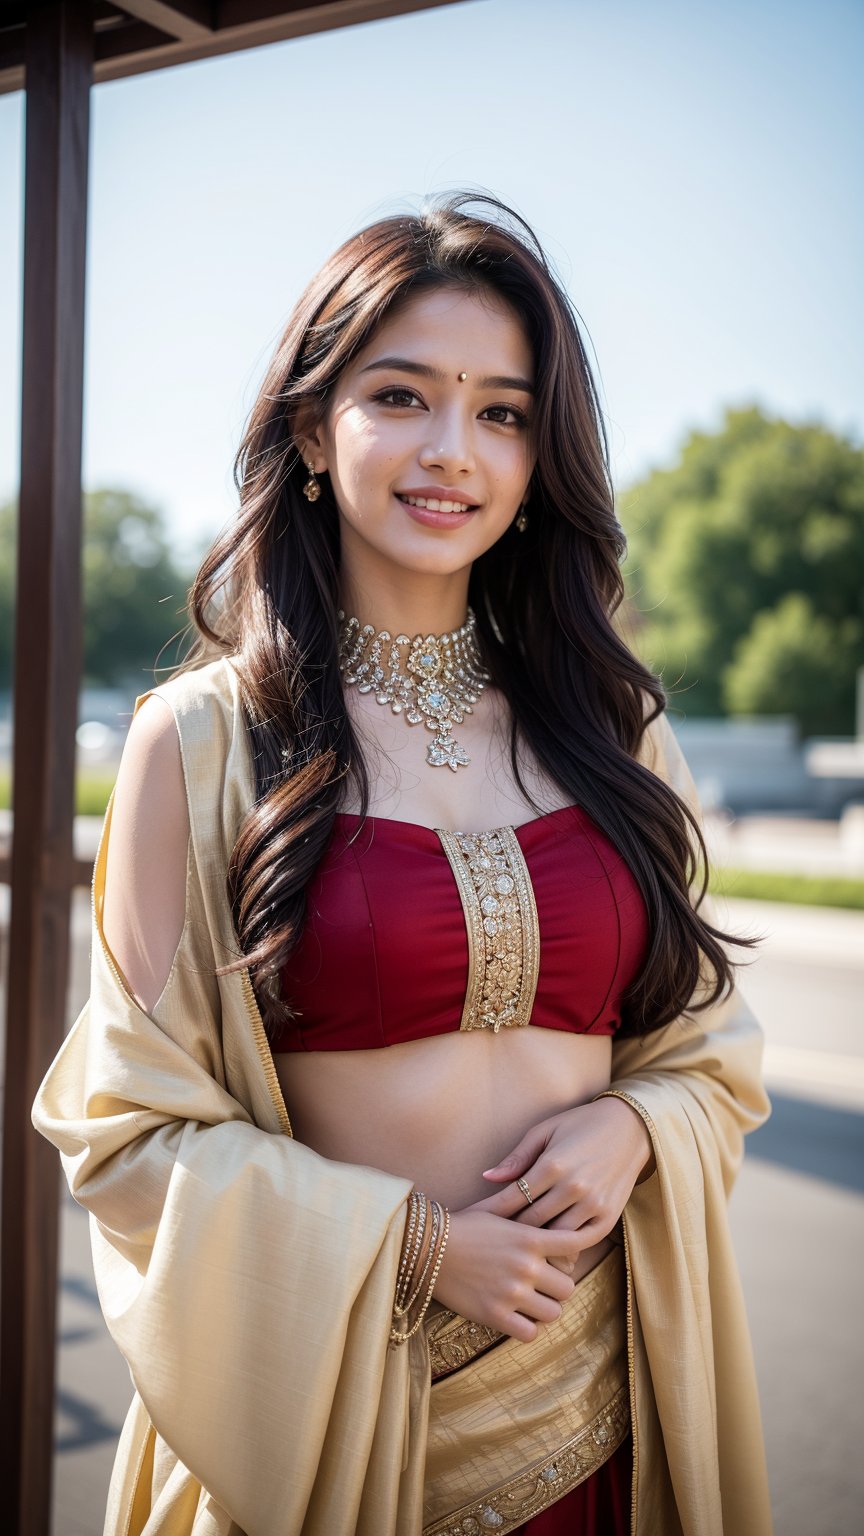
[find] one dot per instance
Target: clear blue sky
(689, 166)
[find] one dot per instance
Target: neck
(411, 606)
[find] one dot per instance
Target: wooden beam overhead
(134, 38)
(189, 23)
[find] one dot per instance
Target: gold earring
(522, 520)
(311, 489)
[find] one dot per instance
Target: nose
(450, 447)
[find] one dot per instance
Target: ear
(308, 440)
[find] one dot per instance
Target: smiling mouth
(434, 505)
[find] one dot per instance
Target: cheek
(525, 458)
(512, 468)
(361, 449)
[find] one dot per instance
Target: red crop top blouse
(413, 931)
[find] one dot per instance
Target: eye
(521, 420)
(385, 394)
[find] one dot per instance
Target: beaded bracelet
(412, 1244)
(437, 1218)
(414, 1198)
(443, 1227)
(412, 1247)
(425, 1306)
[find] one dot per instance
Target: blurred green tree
(134, 591)
(745, 571)
(795, 661)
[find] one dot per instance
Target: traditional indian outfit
(249, 1282)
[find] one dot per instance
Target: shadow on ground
(816, 1139)
(86, 1424)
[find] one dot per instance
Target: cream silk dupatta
(248, 1281)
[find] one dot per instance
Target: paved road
(797, 1216)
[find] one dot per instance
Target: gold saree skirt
(514, 1426)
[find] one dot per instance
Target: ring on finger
(521, 1183)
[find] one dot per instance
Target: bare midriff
(438, 1111)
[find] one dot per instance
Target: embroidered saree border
(547, 1481)
(454, 1340)
(514, 1427)
(501, 924)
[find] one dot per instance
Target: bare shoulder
(145, 872)
(150, 778)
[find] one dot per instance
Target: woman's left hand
(580, 1167)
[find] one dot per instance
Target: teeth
(434, 505)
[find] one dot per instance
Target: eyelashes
(520, 418)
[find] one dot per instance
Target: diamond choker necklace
(443, 677)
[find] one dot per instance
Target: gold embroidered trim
(501, 921)
(619, 1093)
(454, 1340)
(631, 1380)
(549, 1480)
(262, 1044)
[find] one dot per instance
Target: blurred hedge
(807, 890)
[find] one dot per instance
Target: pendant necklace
(441, 680)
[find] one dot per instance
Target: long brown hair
(267, 594)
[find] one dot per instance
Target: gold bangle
(402, 1338)
(436, 1227)
(406, 1242)
(409, 1241)
(405, 1280)
(425, 1306)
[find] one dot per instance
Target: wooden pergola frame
(55, 50)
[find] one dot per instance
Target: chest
(484, 793)
(413, 931)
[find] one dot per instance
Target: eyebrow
(404, 364)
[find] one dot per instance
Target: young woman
(404, 991)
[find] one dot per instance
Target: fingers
(545, 1309)
(552, 1290)
(562, 1244)
(568, 1204)
(555, 1207)
(566, 1266)
(571, 1220)
(510, 1201)
(551, 1196)
(520, 1327)
(522, 1156)
(539, 1287)
(541, 1211)
(555, 1284)
(526, 1326)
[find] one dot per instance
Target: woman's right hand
(500, 1273)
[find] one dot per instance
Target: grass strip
(802, 890)
(92, 791)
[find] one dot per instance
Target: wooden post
(48, 647)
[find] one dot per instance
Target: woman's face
(400, 420)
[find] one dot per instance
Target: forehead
(456, 330)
